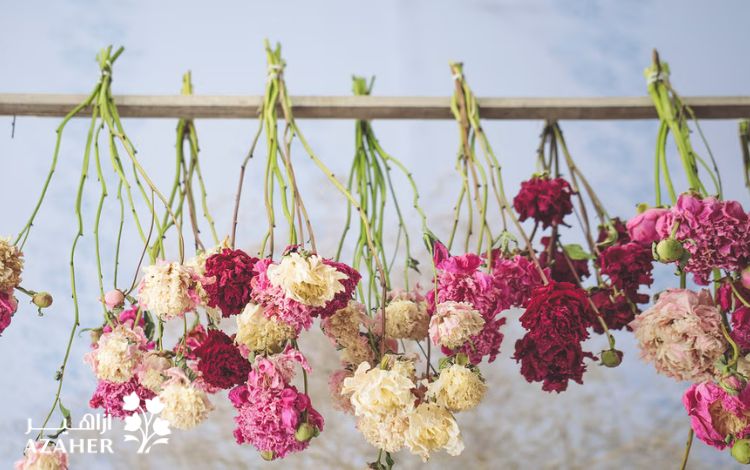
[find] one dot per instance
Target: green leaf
(66, 414)
(576, 252)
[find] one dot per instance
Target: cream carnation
(167, 290)
(150, 371)
(406, 319)
(432, 427)
(379, 392)
(116, 354)
(308, 281)
(185, 406)
(681, 334)
(458, 388)
(454, 323)
(343, 326)
(357, 351)
(387, 433)
(11, 265)
(42, 455)
(260, 333)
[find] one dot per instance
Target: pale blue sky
(510, 48)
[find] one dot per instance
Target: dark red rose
(616, 310)
(551, 360)
(741, 327)
(227, 280)
(628, 266)
(558, 309)
(220, 361)
(559, 267)
(544, 199)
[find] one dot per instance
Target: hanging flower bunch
(697, 335)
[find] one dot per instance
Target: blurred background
(626, 417)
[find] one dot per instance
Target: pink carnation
(642, 227)
(486, 343)
(42, 455)
(109, 396)
(515, 279)
(681, 334)
(715, 233)
(8, 306)
(270, 411)
(335, 382)
(716, 414)
(741, 327)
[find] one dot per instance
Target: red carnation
(551, 360)
(628, 266)
(556, 320)
(559, 309)
(544, 199)
(559, 266)
(228, 275)
(616, 309)
(220, 361)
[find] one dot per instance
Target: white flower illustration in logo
(150, 425)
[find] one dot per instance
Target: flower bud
(746, 278)
(114, 298)
(641, 208)
(669, 250)
(95, 334)
(305, 432)
(267, 455)
(741, 451)
(42, 299)
(611, 357)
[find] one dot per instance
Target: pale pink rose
(114, 298)
(681, 334)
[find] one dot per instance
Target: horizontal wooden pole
(374, 107)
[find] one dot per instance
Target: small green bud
(611, 357)
(741, 451)
(641, 208)
(669, 250)
(267, 455)
(42, 299)
(305, 432)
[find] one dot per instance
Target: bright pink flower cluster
(109, 396)
(556, 320)
(642, 227)
(8, 306)
(459, 279)
(716, 234)
(270, 409)
(718, 417)
(227, 280)
(544, 199)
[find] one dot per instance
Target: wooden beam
(375, 107)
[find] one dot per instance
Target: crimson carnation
(628, 266)
(741, 327)
(544, 199)
(615, 308)
(220, 361)
(551, 360)
(559, 268)
(227, 280)
(109, 396)
(558, 309)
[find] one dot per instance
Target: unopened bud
(641, 208)
(611, 357)
(746, 278)
(114, 298)
(42, 299)
(267, 455)
(741, 451)
(95, 335)
(305, 432)
(669, 250)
